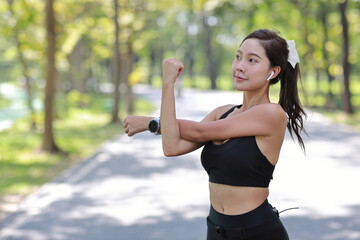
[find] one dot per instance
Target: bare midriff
(235, 200)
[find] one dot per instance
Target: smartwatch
(154, 125)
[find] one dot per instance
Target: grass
(79, 132)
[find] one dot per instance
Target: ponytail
(290, 102)
(276, 49)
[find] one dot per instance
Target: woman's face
(251, 67)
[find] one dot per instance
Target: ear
(277, 70)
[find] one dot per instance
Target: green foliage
(157, 29)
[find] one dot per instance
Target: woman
(241, 143)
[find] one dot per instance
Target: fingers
(127, 127)
(181, 69)
(125, 123)
(129, 132)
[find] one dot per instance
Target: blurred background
(68, 68)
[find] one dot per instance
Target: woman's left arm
(260, 120)
(171, 139)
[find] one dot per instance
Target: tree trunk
(115, 111)
(347, 107)
(189, 47)
(77, 70)
(48, 144)
(130, 99)
(330, 78)
(24, 65)
(210, 66)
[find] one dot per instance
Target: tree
(190, 34)
(209, 53)
(348, 108)
(324, 9)
(48, 144)
(77, 71)
(116, 66)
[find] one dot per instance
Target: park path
(128, 191)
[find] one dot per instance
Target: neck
(251, 99)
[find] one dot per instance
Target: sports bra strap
(229, 111)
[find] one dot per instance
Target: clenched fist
(172, 68)
(136, 124)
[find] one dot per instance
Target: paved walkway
(128, 191)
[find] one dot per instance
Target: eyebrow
(251, 54)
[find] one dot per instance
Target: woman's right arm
(137, 124)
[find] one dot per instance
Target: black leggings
(262, 223)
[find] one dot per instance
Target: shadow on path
(69, 220)
(344, 140)
(330, 228)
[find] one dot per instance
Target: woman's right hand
(136, 124)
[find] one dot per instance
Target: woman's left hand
(172, 68)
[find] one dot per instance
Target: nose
(238, 65)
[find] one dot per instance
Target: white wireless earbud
(271, 74)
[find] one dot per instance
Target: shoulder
(271, 108)
(272, 112)
(217, 112)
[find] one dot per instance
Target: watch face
(153, 126)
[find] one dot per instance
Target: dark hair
(277, 52)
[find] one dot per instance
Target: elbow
(170, 153)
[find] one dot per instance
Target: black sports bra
(237, 162)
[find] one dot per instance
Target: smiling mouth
(239, 78)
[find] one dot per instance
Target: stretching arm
(171, 139)
(173, 143)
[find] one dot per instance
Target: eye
(253, 60)
(237, 57)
